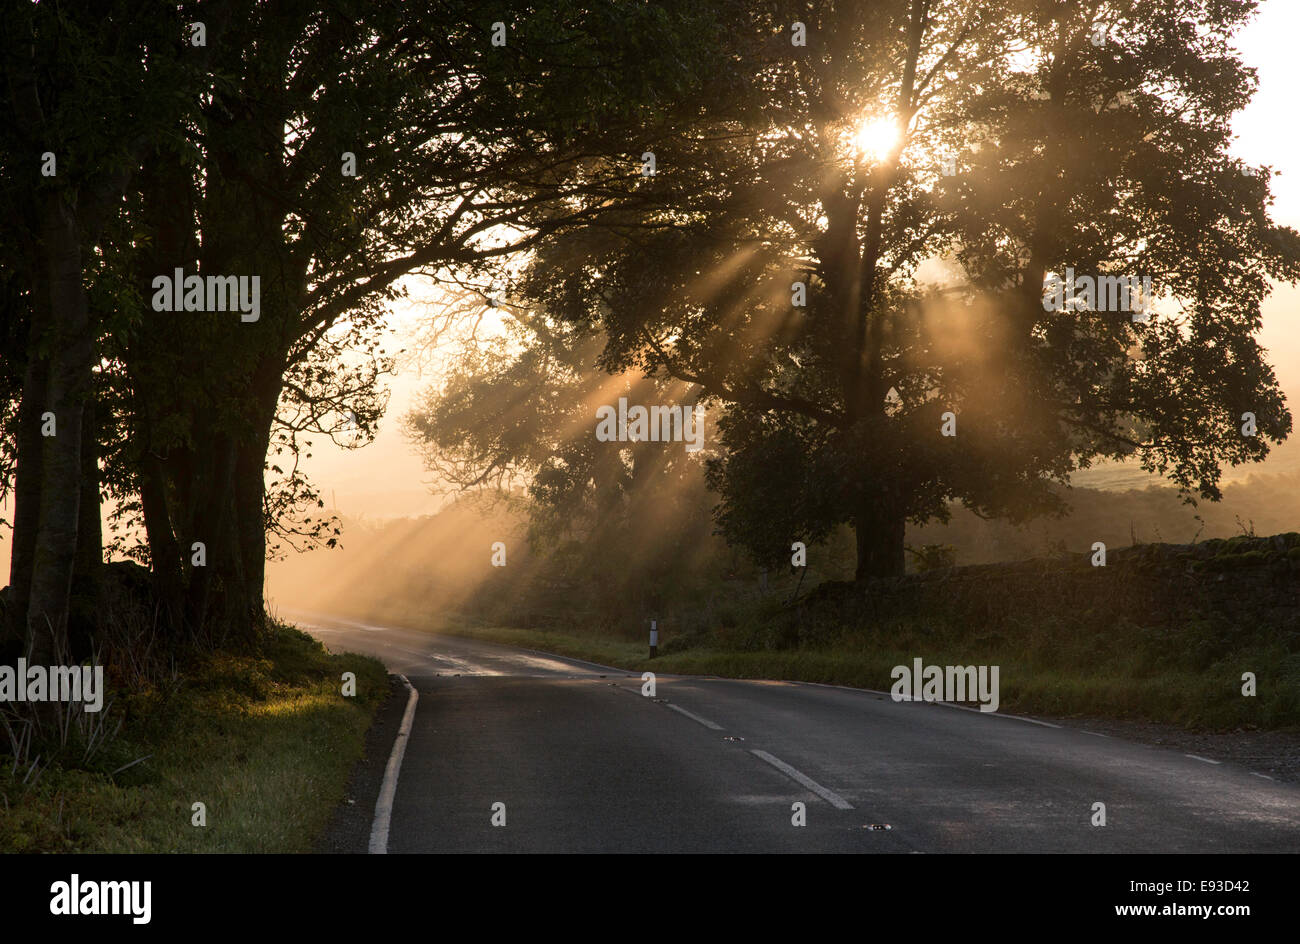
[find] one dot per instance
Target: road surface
(584, 762)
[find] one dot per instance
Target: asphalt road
(583, 762)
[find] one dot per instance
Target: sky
(386, 478)
(1266, 134)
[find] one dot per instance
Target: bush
(933, 556)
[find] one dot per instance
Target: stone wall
(1242, 582)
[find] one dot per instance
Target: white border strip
(834, 799)
(384, 805)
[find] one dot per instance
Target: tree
(516, 408)
(1011, 144)
(86, 90)
(464, 152)
(330, 151)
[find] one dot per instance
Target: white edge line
(694, 717)
(1203, 759)
(831, 797)
(1258, 774)
(384, 805)
(999, 714)
(890, 696)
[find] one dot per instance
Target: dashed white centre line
(1205, 760)
(694, 717)
(830, 796)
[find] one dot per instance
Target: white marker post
(654, 638)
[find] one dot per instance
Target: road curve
(584, 762)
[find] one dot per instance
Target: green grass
(266, 742)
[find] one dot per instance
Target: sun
(875, 138)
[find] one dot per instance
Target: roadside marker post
(654, 638)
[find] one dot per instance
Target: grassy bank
(1043, 670)
(266, 743)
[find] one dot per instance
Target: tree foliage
(1018, 140)
(329, 149)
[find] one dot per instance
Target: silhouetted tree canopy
(923, 168)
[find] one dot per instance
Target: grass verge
(1033, 680)
(265, 742)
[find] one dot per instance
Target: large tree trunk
(164, 549)
(87, 583)
(157, 360)
(250, 490)
(70, 358)
(216, 588)
(250, 523)
(879, 528)
(27, 484)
